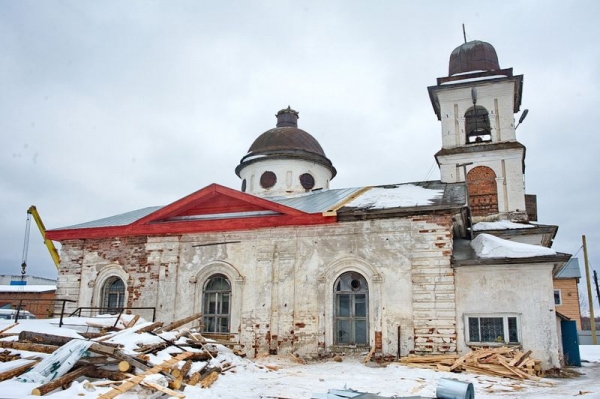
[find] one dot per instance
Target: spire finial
(464, 33)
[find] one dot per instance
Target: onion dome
(473, 56)
(286, 141)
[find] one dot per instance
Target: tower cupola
(474, 56)
(285, 160)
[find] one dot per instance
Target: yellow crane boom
(32, 211)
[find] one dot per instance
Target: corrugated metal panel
(313, 202)
(316, 201)
(117, 220)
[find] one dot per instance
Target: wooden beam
(60, 381)
(5, 375)
(181, 322)
(27, 346)
(136, 380)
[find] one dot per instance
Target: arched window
(216, 310)
(113, 295)
(351, 312)
(477, 125)
(483, 191)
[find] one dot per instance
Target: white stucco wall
(524, 290)
(288, 172)
(495, 96)
(282, 281)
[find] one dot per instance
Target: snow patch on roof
(474, 79)
(489, 246)
(500, 225)
(405, 195)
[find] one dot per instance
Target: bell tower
(476, 105)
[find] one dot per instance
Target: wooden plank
(132, 321)
(458, 362)
(518, 372)
(136, 380)
(518, 360)
(162, 389)
(371, 352)
(427, 358)
(8, 328)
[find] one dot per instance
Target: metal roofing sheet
(117, 220)
(316, 201)
(571, 269)
(312, 202)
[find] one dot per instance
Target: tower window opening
(477, 125)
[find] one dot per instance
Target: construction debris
(498, 362)
(185, 358)
(149, 360)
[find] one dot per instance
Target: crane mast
(33, 213)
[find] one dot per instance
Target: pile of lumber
(123, 370)
(499, 362)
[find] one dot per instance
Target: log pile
(498, 362)
(121, 369)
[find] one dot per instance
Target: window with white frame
(557, 297)
(501, 329)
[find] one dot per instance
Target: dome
(473, 56)
(286, 140)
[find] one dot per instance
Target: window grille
(497, 329)
(217, 300)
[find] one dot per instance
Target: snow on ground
(285, 376)
(489, 246)
(401, 195)
(501, 225)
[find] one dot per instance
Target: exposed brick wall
(483, 191)
(40, 304)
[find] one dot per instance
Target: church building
(289, 264)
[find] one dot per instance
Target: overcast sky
(111, 106)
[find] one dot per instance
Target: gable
(213, 208)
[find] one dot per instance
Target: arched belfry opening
(477, 125)
(483, 191)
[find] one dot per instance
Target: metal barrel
(449, 388)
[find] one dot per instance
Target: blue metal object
(570, 343)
